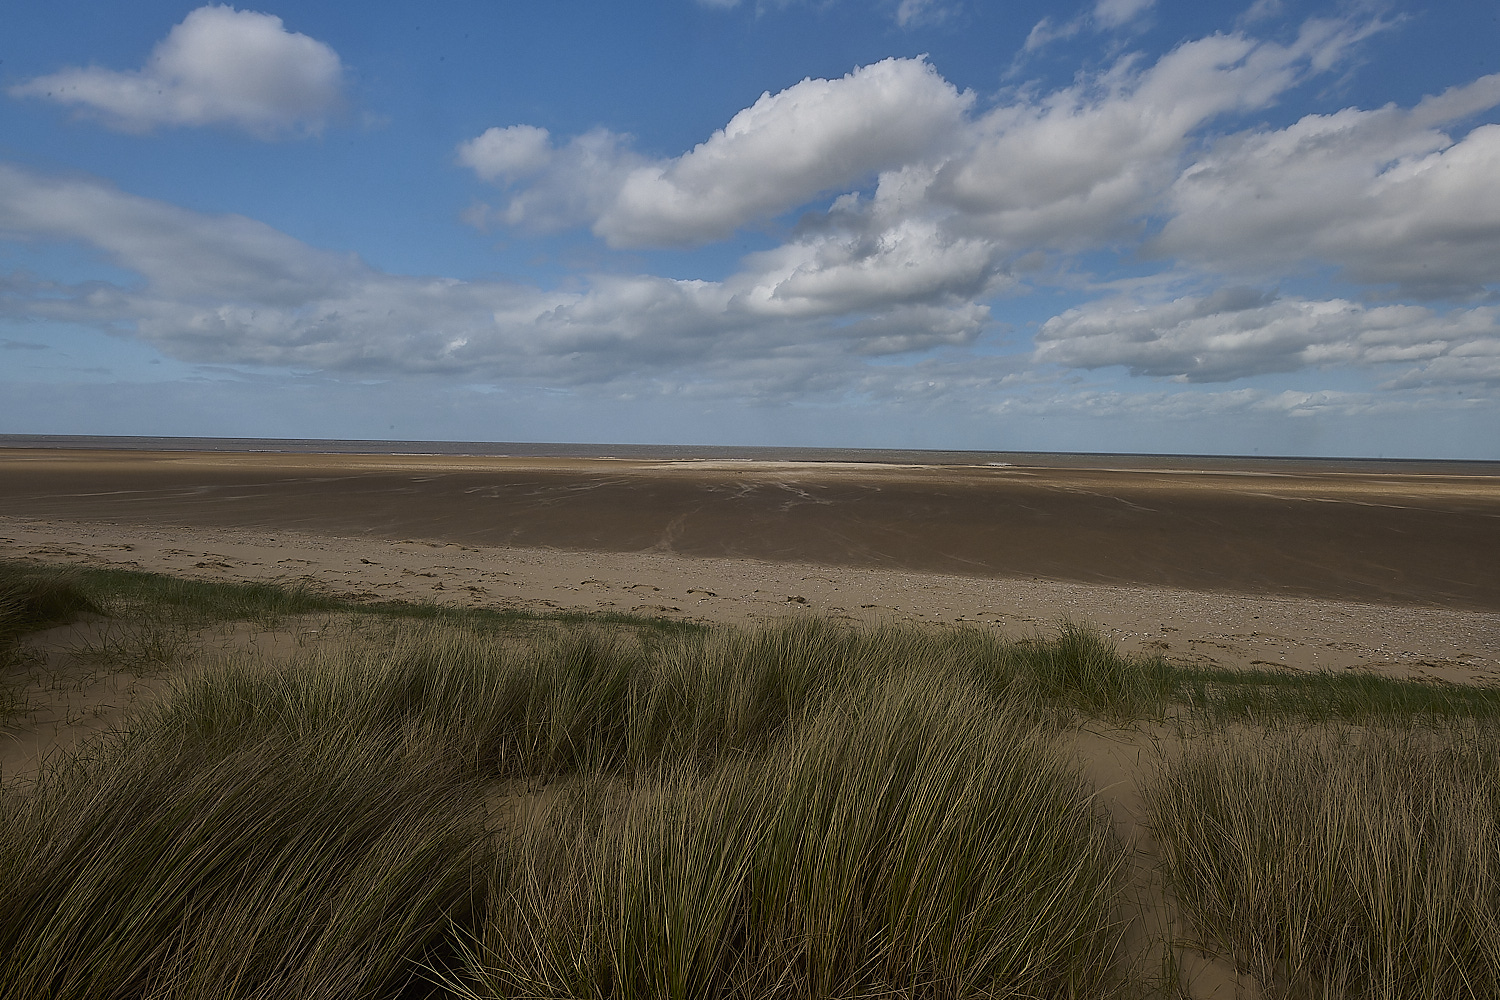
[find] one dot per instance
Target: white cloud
(963, 196)
(219, 66)
(915, 13)
(225, 289)
(1112, 14)
(550, 187)
(1105, 15)
(1384, 194)
(912, 261)
(1238, 332)
(816, 136)
(507, 154)
(1084, 164)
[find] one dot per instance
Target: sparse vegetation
(486, 804)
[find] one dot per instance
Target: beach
(1304, 568)
(1268, 568)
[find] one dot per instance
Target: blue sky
(1120, 225)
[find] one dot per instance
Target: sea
(1247, 464)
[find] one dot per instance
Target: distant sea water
(756, 453)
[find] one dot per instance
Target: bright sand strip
(1235, 630)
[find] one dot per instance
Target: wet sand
(1407, 539)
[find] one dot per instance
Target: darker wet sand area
(1413, 539)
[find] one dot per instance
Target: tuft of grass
(907, 840)
(1081, 667)
(32, 599)
(141, 869)
(1342, 864)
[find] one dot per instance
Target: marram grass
(462, 805)
(1343, 864)
(142, 869)
(802, 811)
(909, 840)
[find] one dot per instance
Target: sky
(1153, 226)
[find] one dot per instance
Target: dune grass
(476, 805)
(314, 830)
(908, 840)
(129, 593)
(143, 869)
(33, 598)
(1346, 696)
(1343, 863)
(595, 698)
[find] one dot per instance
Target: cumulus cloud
(1385, 194)
(936, 207)
(786, 148)
(220, 66)
(1084, 164)
(1081, 165)
(550, 187)
(912, 261)
(1237, 332)
(507, 154)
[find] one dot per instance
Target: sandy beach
(1305, 570)
(1284, 569)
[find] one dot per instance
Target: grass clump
(1342, 864)
(910, 840)
(33, 598)
(1080, 666)
(277, 869)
